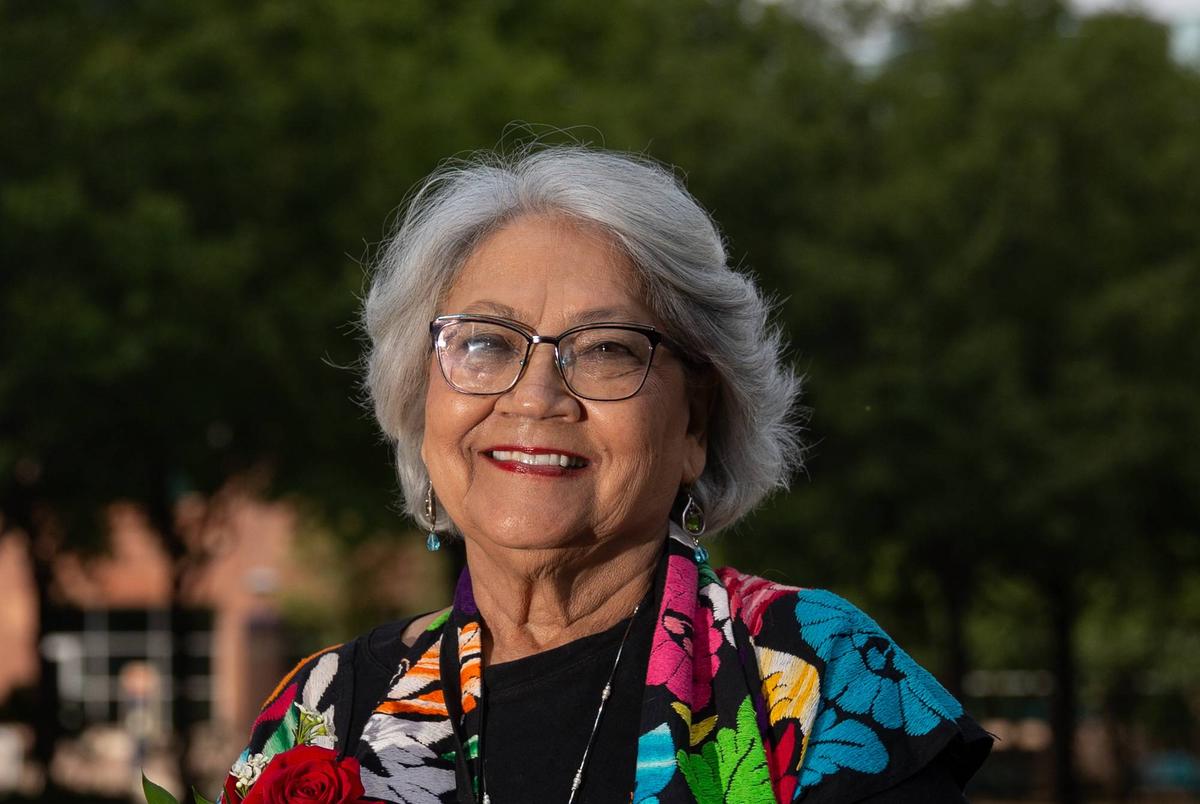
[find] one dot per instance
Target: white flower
(314, 728)
(248, 770)
(312, 714)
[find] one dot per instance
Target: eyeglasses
(482, 355)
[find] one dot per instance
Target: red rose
(307, 774)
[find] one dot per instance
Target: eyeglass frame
(532, 338)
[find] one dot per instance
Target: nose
(541, 391)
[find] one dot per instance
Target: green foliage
(155, 794)
(191, 190)
(998, 335)
(987, 253)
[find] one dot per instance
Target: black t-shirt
(539, 712)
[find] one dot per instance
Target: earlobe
(700, 404)
(695, 447)
(696, 457)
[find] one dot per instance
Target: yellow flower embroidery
(791, 686)
(697, 731)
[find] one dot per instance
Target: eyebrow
(491, 308)
(595, 314)
(589, 316)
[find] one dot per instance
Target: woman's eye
(609, 348)
(609, 356)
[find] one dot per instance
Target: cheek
(668, 414)
(651, 439)
(450, 417)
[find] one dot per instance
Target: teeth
(544, 459)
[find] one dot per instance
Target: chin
(528, 530)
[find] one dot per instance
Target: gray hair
(715, 313)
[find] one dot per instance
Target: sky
(1172, 11)
(1183, 17)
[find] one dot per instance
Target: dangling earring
(692, 520)
(433, 542)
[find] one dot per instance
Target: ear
(701, 393)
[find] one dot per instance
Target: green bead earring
(433, 542)
(692, 520)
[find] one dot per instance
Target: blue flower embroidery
(655, 764)
(866, 673)
(840, 744)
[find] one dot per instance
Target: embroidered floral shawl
(755, 692)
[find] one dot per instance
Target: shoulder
(362, 665)
(307, 686)
(871, 716)
(323, 700)
(845, 644)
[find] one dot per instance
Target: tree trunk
(1119, 703)
(181, 702)
(47, 728)
(954, 594)
(1063, 709)
(161, 511)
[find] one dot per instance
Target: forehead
(549, 272)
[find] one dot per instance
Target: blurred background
(981, 221)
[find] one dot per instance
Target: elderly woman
(580, 387)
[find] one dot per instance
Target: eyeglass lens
(604, 363)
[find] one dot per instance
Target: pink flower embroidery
(750, 596)
(682, 658)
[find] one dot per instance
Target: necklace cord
(577, 780)
(604, 694)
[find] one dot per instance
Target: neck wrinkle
(527, 612)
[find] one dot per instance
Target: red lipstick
(537, 461)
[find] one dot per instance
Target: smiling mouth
(537, 459)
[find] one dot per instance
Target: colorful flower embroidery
(837, 744)
(739, 706)
(731, 767)
(868, 674)
(791, 685)
(750, 596)
(655, 764)
(674, 646)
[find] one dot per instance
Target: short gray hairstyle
(716, 314)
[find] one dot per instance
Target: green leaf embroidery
(199, 799)
(472, 747)
(438, 621)
(155, 794)
(731, 767)
(284, 736)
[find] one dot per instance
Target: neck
(533, 601)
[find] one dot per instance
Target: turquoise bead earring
(692, 520)
(433, 542)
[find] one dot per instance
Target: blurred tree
(182, 183)
(988, 249)
(1000, 348)
(173, 294)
